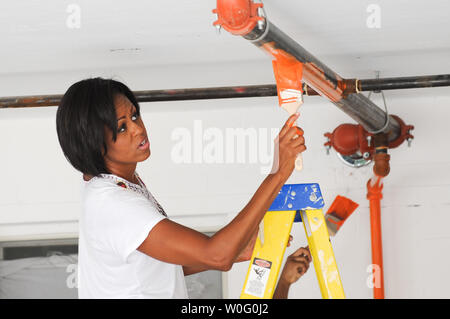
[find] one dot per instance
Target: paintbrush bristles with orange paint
(288, 75)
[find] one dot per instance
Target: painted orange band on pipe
(374, 195)
(312, 75)
(316, 79)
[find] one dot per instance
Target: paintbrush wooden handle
(299, 162)
(299, 159)
(291, 108)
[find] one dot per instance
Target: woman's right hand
(288, 144)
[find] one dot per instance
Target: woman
(128, 247)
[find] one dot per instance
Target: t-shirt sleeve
(125, 220)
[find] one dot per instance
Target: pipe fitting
(238, 17)
(381, 158)
(349, 139)
(381, 165)
(374, 191)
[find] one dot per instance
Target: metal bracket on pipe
(377, 75)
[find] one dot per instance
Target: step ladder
(294, 203)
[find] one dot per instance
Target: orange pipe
(374, 195)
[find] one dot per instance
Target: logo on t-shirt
(122, 184)
(141, 189)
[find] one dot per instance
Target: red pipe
(374, 195)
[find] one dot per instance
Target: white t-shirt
(117, 216)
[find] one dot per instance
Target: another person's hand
(288, 144)
(296, 265)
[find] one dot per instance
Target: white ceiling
(34, 36)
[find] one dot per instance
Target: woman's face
(128, 149)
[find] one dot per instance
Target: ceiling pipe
(242, 17)
(413, 82)
(154, 95)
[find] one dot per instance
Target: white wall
(40, 191)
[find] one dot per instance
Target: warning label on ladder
(258, 277)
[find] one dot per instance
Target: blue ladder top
(298, 197)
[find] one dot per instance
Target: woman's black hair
(84, 111)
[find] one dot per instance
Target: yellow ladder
(294, 203)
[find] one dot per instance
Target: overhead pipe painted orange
(240, 16)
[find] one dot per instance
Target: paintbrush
(288, 75)
(339, 211)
